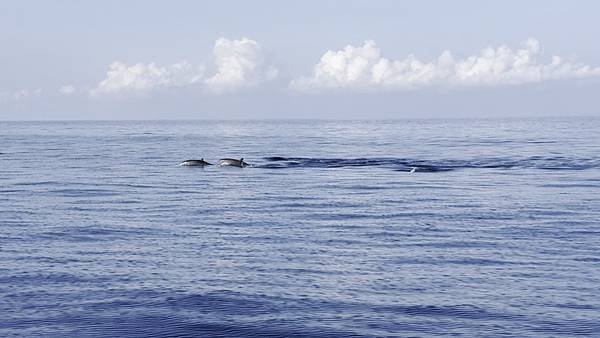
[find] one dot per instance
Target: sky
(88, 60)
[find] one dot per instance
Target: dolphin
(196, 163)
(230, 162)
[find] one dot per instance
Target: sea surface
(408, 228)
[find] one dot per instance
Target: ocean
(399, 228)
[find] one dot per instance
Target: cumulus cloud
(239, 63)
(364, 68)
(141, 77)
(67, 90)
(20, 94)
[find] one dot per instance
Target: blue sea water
(414, 228)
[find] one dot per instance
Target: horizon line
(514, 117)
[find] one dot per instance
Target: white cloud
(146, 77)
(364, 68)
(19, 95)
(240, 63)
(67, 89)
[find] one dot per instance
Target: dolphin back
(230, 162)
(197, 163)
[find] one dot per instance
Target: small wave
(277, 162)
(28, 183)
(87, 192)
(414, 165)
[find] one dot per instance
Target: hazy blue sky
(301, 59)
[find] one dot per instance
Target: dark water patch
(395, 164)
(45, 278)
(286, 197)
(214, 314)
(540, 142)
(260, 239)
(362, 187)
(576, 306)
(588, 259)
(340, 241)
(30, 183)
(93, 234)
(126, 202)
(84, 192)
(457, 311)
(99, 209)
(594, 233)
(199, 191)
(170, 325)
(369, 216)
(129, 185)
(307, 271)
(226, 303)
(462, 261)
(454, 244)
(154, 138)
(290, 205)
(49, 260)
(412, 165)
(331, 204)
(570, 185)
(101, 231)
(116, 251)
(569, 328)
(476, 261)
(11, 191)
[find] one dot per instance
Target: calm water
(329, 234)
